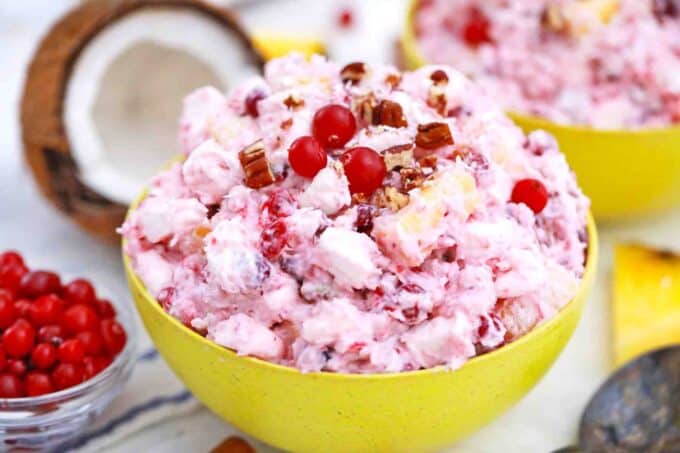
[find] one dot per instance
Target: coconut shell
(46, 144)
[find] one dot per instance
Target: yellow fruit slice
(274, 45)
(646, 301)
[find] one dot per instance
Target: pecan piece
(391, 198)
(364, 108)
(428, 161)
(256, 166)
(233, 444)
(359, 198)
(398, 156)
(353, 73)
(411, 178)
(437, 100)
(433, 135)
(393, 80)
(388, 113)
(439, 77)
(286, 124)
(294, 102)
(553, 19)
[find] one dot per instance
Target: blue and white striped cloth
(152, 395)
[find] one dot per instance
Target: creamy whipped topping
(608, 64)
(300, 272)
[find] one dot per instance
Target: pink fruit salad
(607, 64)
(359, 220)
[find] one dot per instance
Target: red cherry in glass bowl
(65, 353)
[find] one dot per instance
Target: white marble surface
(545, 420)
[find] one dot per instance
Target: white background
(547, 419)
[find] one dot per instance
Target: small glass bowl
(43, 423)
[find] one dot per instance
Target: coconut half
(103, 95)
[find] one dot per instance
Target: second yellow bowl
(625, 174)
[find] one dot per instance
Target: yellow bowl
(327, 412)
(625, 173)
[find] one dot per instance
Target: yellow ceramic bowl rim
(588, 276)
(415, 57)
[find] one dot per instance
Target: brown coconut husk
(46, 144)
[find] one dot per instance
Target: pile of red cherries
(53, 336)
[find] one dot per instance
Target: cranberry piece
(11, 386)
(483, 328)
(11, 257)
(38, 383)
(252, 99)
(67, 375)
(45, 310)
(411, 314)
(11, 275)
(333, 126)
(92, 342)
(346, 18)
(79, 291)
(44, 356)
(79, 318)
(273, 239)
(71, 351)
(53, 334)
(476, 30)
(114, 336)
(18, 339)
(16, 367)
(365, 169)
(37, 283)
(364, 221)
(307, 157)
(7, 312)
(278, 204)
(532, 193)
(3, 359)
(665, 8)
(104, 308)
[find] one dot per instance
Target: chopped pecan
(411, 178)
(394, 80)
(286, 124)
(437, 100)
(390, 197)
(388, 113)
(398, 156)
(256, 166)
(364, 108)
(359, 198)
(428, 161)
(433, 135)
(439, 77)
(553, 19)
(353, 73)
(294, 102)
(233, 444)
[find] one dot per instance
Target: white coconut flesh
(125, 92)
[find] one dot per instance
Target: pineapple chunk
(582, 15)
(417, 217)
(646, 301)
(411, 233)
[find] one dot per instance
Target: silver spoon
(636, 410)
